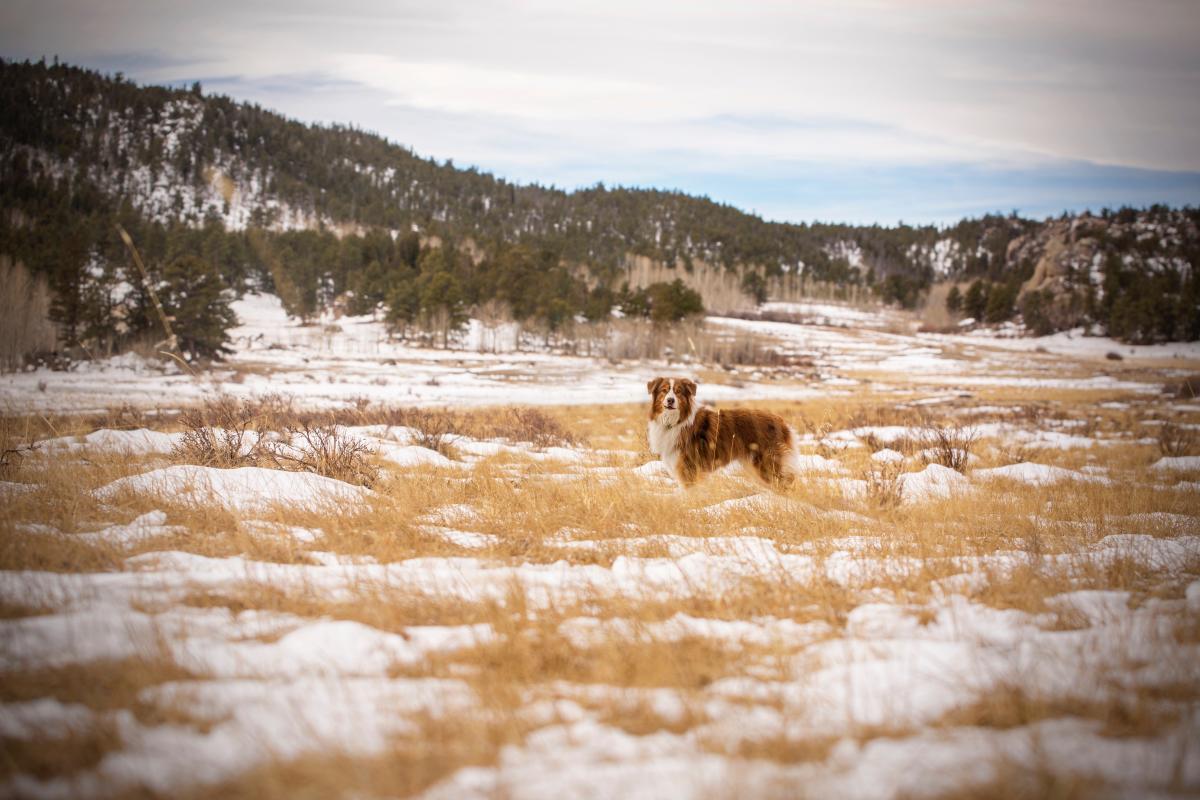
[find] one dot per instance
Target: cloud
(675, 90)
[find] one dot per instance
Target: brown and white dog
(693, 440)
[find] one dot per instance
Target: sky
(859, 111)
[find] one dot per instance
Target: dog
(693, 440)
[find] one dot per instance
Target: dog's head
(671, 399)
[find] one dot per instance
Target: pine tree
(976, 300)
(954, 300)
(193, 296)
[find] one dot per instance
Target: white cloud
(544, 85)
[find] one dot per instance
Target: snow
(10, 488)
(933, 482)
(311, 685)
(829, 314)
(148, 526)
(248, 489)
(328, 647)
(413, 455)
(1035, 474)
(350, 359)
(1177, 464)
(274, 685)
(135, 442)
(815, 463)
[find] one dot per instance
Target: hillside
(313, 212)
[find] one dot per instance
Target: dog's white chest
(664, 442)
(663, 439)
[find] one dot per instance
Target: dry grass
(227, 432)
(323, 451)
(103, 687)
(1017, 540)
(99, 685)
(949, 445)
(1016, 781)
(1177, 440)
(382, 607)
(49, 757)
(884, 489)
(1122, 714)
(437, 747)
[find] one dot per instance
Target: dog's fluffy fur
(693, 440)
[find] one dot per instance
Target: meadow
(978, 587)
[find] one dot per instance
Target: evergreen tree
(976, 300)
(198, 304)
(1001, 302)
(671, 302)
(954, 300)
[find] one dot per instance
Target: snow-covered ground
(331, 363)
(1035, 616)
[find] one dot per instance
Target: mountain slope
(79, 149)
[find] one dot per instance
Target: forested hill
(178, 153)
(234, 185)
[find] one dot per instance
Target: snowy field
(449, 574)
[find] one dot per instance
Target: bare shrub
(948, 445)
(14, 446)
(267, 431)
(535, 426)
(219, 434)
(431, 428)
(1176, 440)
(1187, 389)
(873, 442)
(884, 488)
(323, 451)
(25, 326)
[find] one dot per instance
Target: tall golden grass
(543, 512)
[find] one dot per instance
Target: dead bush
(948, 445)
(431, 428)
(1176, 440)
(219, 434)
(323, 451)
(1187, 389)
(884, 489)
(16, 442)
(535, 426)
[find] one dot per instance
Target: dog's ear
(688, 385)
(653, 385)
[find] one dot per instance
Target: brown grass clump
(884, 489)
(436, 748)
(433, 429)
(99, 685)
(1011, 705)
(17, 442)
(221, 433)
(379, 606)
(1016, 781)
(948, 445)
(1176, 440)
(323, 451)
(46, 757)
(779, 747)
(535, 426)
(226, 432)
